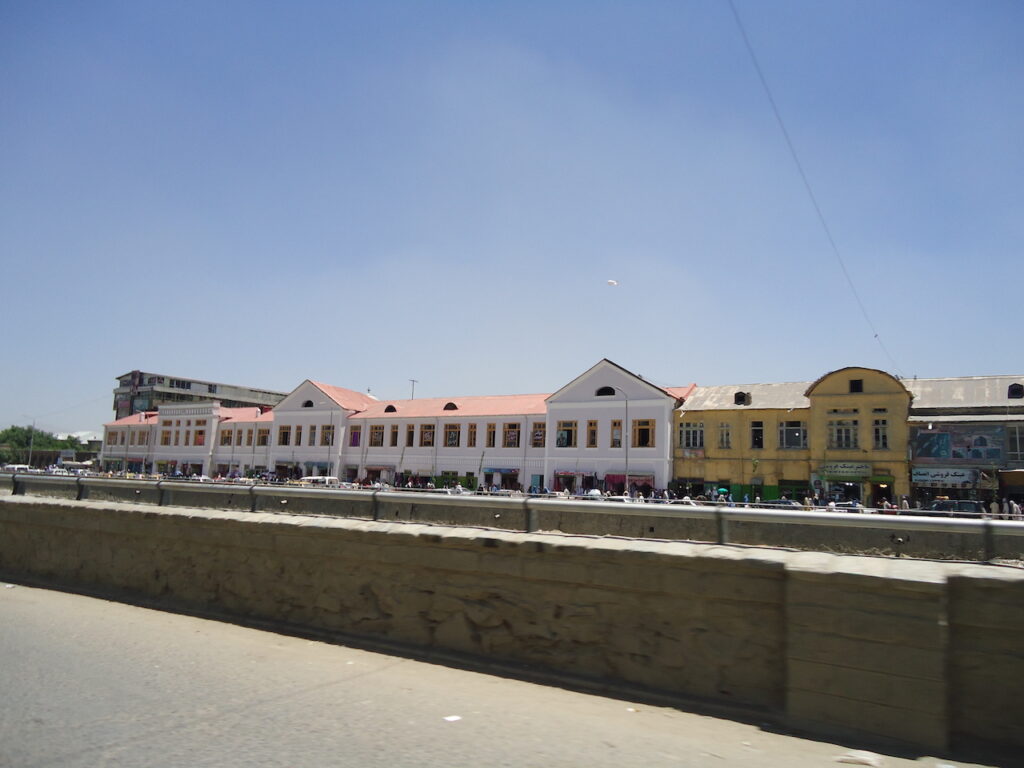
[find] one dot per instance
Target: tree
(15, 442)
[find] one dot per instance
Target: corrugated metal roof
(963, 391)
(723, 397)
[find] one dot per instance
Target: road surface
(86, 682)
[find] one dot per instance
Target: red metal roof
(346, 398)
(483, 405)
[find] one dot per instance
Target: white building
(491, 440)
(609, 429)
(605, 426)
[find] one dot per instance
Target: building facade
(139, 392)
(854, 434)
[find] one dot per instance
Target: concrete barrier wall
(879, 534)
(923, 653)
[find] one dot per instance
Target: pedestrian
(994, 508)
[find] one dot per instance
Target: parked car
(951, 508)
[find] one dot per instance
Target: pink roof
(346, 398)
(483, 405)
(245, 414)
(148, 417)
(681, 392)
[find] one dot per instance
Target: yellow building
(843, 436)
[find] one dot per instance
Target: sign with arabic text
(946, 475)
(844, 469)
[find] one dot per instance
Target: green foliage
(15, 442)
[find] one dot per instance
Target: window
(284, 436)
(238, 437)
(643, 433)
(165, 423)
(842, 433)
(471, 436)
(724, 435)
(490, 435)
(165, 437)
(390, 409)
(1015, 443)
(1015, 392)
(539, 434)
(188, 437)
(200, 437)
(880, 432)
(376, 435)
(592, 434)
(792, 434)
(741, 398)
(605, 392)
(410, 435)
(298, 435)
(616, 441)
(510, 435)
(426, 436)
(177, 436)
(262, 437)
(450, 407)
(225, 437)
(312, 434)
(308, 404)
(566, 437)
(394, 435)
(327, 434)
(452, 435)
(856, 385)
(212, 388)
(248, 437)
(691, 434)
(757, 434)
(355, 434)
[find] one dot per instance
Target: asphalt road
(85, 682)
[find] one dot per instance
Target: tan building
(843, 436)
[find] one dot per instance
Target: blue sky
(364, 193)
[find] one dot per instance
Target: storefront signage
(844, 469)
(944, 475)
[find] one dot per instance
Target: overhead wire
(807, 185)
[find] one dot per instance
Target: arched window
(605, 392)
(1015, 392)
(451, 407)
(308, 404)
(390, 409)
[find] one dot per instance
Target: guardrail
(521, 513)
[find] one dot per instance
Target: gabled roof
(676, 393)
(245, 415)
(483, 405)
(346, 398)
(964, 392)
(762, 396)
(136, 419)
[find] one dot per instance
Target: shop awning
(501, 470)
(380, 466)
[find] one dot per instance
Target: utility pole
(414, 383)
(31, 442)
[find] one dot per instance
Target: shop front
(502, 478)
(573, 481)
(639, 482)
(841, 481)
(1011, 485)
(948, 482)
(380, 473)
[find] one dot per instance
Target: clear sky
(364, 193)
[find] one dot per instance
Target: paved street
(87, 682)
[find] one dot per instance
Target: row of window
(842, 434)
(643, 435)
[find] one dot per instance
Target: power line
(807, 185)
